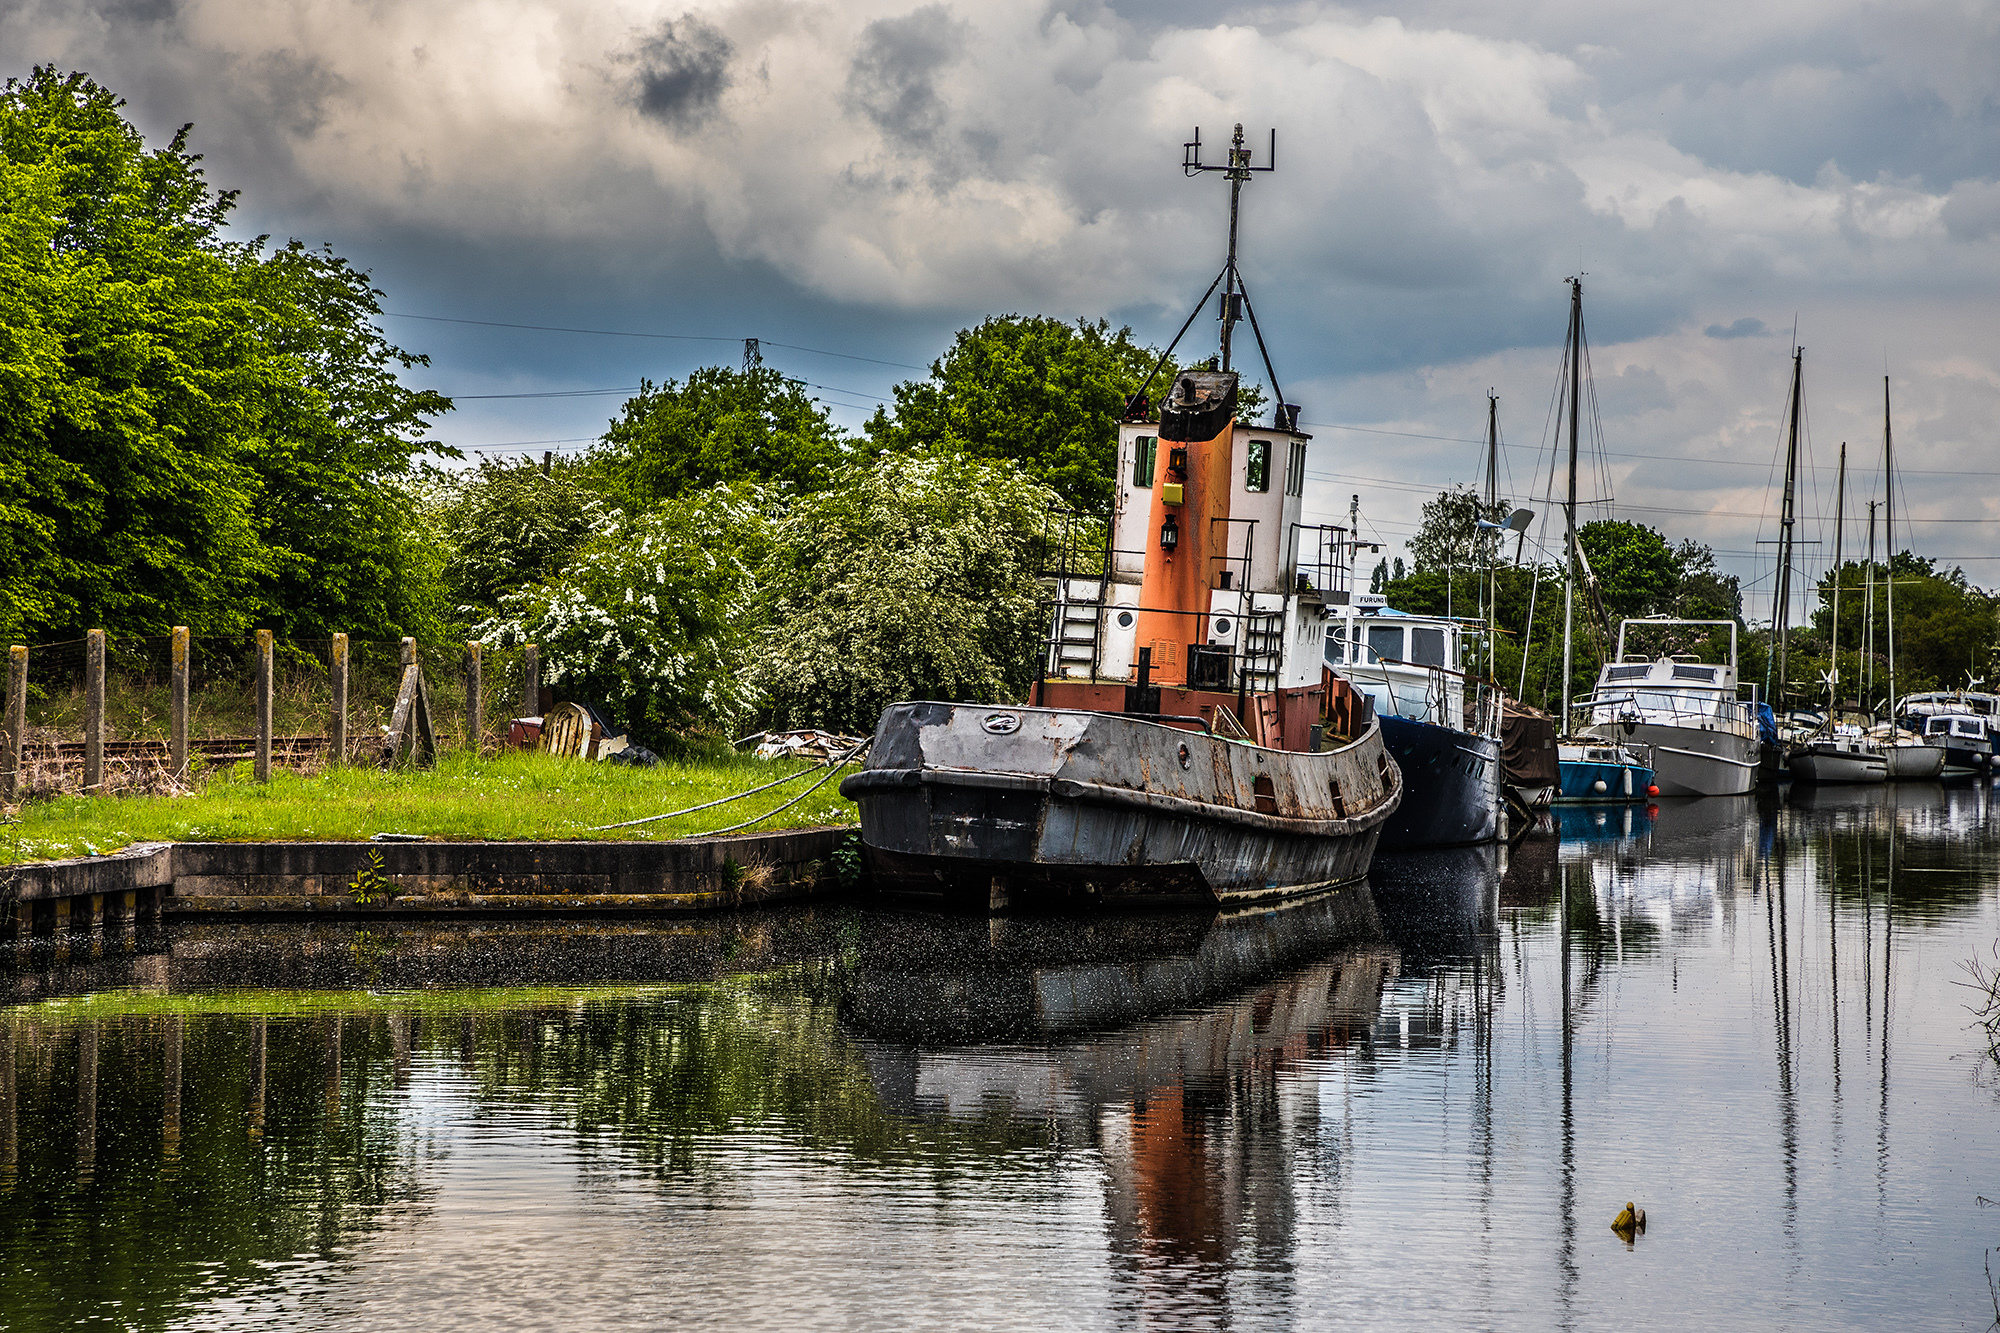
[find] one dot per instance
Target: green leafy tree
(912, 578)
(508, 525)
(718, 426)
(192, 429)
(652, 617)
(1042, 392)
(1946, 629)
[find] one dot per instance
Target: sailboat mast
(1868, 614)
(1781, 617)
(1490, 613)
(1889, 538)
(1569, 506)
(1833, 630)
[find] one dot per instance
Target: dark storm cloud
(1742, 328)
(682, 70)
(893, 78)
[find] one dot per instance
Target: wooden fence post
(336, 723)
(93, 711)
(475, 720)
(17, 716)
(177, 742)
(263, 705)
(531, 681)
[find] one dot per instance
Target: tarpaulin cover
(1528, 746)
(1767, 725)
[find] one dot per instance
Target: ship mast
(1569, 505)
(1833, 633)
(1781, 618)
(1889, 539)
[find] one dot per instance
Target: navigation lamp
(1170, 534)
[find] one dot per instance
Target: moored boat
(1604, 771)
(1411, 670)
(1964, 739)
(1703, 739)
(1185, 742)
(1841, 754)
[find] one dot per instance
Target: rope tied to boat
(833, 766)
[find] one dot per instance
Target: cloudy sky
(863, 178)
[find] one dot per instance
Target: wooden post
(263, 705)
(475, 721)
(336, 723)
(93, 711)
(17, 716)
(177, 743)
(531, 681)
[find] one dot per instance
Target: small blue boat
(1604, 772)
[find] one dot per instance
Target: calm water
(1417, 1105)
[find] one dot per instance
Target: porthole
(1222, 625)
(1124, 620)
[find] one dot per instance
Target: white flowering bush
(652, 617)
(910, 578)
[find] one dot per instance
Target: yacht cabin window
(1427, 645)
(1386, 642)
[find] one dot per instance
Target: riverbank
(509, 797)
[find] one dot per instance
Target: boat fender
(1599, 787)
(1653, 790)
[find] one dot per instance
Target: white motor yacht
(1703, 738)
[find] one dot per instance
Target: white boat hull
(1691, 761)
(1827, 764)
(1915, 763)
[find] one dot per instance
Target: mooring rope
(832, 766)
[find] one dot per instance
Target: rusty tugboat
(1186, 743)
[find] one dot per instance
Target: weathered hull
(1692, 761)
(989, 806)
(1451, 786)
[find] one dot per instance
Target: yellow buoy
(1630, 1221)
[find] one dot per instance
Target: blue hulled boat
(1604, 772)
(1446, 743)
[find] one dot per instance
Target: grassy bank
(512, 796)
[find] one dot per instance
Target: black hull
(1451, 786)
(1124, 812)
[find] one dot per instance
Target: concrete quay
(220, 879)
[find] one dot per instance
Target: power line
(667, 337)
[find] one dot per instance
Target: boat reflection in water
(1163, 1045)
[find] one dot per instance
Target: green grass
(512, 796)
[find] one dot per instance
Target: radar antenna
(1235, 304)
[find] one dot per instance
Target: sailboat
(1596, 767)
(1185, 742)
(1913, 758)
(1842, 750)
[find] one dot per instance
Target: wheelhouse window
(1145, 453)
(1336, 645)
(1386, 642)
(1257, 467)
(1427, 645)
(1295, 470)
